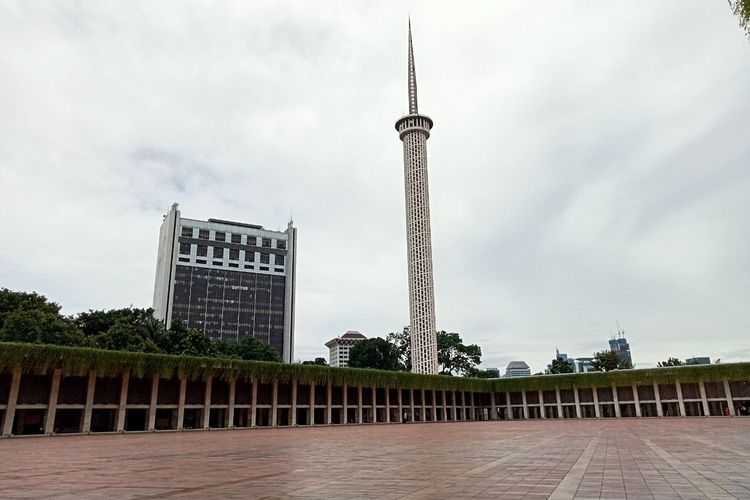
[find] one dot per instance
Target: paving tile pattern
(688, 458)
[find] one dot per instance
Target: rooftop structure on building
(517, 369)
(230, 280)
(339, 347)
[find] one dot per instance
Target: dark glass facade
(230, 304)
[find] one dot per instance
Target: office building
(517, 369)
(620, 345)
(230, 280)
(338, 348)
(700, 360)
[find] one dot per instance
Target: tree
(454, 356)
(486, 373)
(741, 9)
(605, 361)
(142, 321)
(11, 301)
(40, 326)
(670, 362)
(123, 336)
(560, 365)
(317, 361)
(375, 353)
(186, 341)
(250, 348)
(402, 342)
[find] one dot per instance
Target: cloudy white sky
(589, 162)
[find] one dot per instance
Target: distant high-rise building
(582, 365)
(414, 130)
(517, 369)
(700, 360)
(620, 345)
(229, 280)
(338, 348)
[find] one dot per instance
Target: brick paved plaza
(659, 458)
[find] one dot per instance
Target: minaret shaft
(414, 130)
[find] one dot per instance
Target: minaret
(414, 130)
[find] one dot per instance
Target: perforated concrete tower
(414, 130)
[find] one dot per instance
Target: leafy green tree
(375, 353)
(486, 373)
(560, 365)
(144, 324)
(40, 326)
(402, 342)
(605, 361)
(250, 348)
(741, 9)
(181, 340)
(670, 362)
(11, 301)
(454, 357)
(317, 361)
(123, 336)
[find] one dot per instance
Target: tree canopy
(670, 362)
(454, 357)
(375, 353)
(560, 365)
(605, 361)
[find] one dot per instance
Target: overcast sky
(590, 161)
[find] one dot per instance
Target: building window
(266, 242)
(249, 256)
(200, 261)
(218, 253)
(185, 248)
(203, 234)
(234, 254)
(252, 240)
(202, 251)
(279, 269)
(218, 263)
(236, 238)
(264, 258)
(263, 268)
(279, 260)
(281, 244)
(187, 232)
(220, 236)
(184, 259)
(232, 264)
(249, 267)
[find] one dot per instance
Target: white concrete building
(414, 130)
(229, 280)
(338, 348)
(517, 369)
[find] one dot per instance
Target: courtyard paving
(686, 458)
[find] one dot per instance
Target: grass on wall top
(38, 358)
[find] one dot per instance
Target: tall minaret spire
(412, 78)
(414, 130)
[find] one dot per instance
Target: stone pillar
(312, 403)
(400, 406)
(49, 424)
(424, 406)
(680, 401)
(411, 403)
(206, 413)
(637, 401)
(473, 408)
(525, 406)
(230, 403)
(293, 416)
(388, 405)
(274, 402)
(508, 408)
(616, 399)
(728, 394)
(374, 391)
(659, 411)
(578, 403)
(704, 399)
(152, 405)
(360, 416)
(463, 405)
(181, 404)
(559, 403)
(90, 387)
(123, 404)
(453, 404)
(344, 405)
(542, 409)
(597, 411)
(329, 402)
(254, 403)
(434, 407)
(10, 409)
(445, 406)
